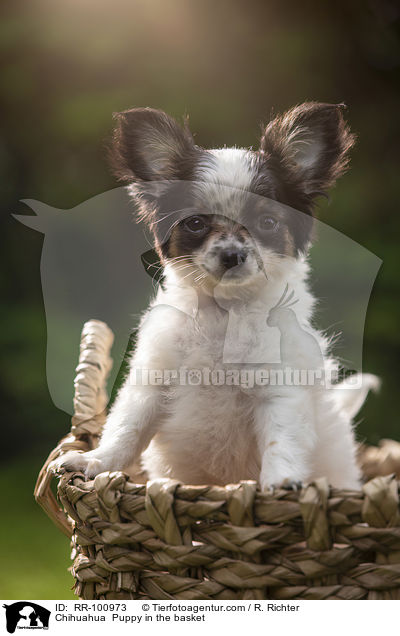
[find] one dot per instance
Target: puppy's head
(231, 216)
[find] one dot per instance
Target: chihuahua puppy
(232, 228)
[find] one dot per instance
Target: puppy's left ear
(312, 142)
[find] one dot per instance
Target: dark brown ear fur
(149, 145)
(310, 142)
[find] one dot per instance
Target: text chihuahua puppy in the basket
(232, 228)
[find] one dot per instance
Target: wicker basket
(166, 540)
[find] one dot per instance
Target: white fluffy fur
(222, 434)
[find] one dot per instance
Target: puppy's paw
(76, 461)
(291, 484)
(271, 486)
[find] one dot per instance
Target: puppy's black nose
(232, 258)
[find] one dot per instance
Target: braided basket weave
(166, 540)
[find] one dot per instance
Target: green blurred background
(227, 63)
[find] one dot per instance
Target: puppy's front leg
(285, 435)
(129, 428)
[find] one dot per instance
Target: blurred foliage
(35, 560)
(66, 67)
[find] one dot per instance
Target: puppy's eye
(267, 223)
(196, 225)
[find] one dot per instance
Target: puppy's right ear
(149, 145)
(312, 141)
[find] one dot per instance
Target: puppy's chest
(216, 338)
(210, 430)
(202, 342)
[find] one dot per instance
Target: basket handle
(90, 402)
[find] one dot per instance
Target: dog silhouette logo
(26, 615)
(97, 263)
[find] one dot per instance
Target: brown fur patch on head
(289, 246)
(175, 244)
(182, 243)
(283, 239)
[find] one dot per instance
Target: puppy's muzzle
(230, 258)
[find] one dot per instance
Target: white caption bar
(172, 617)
